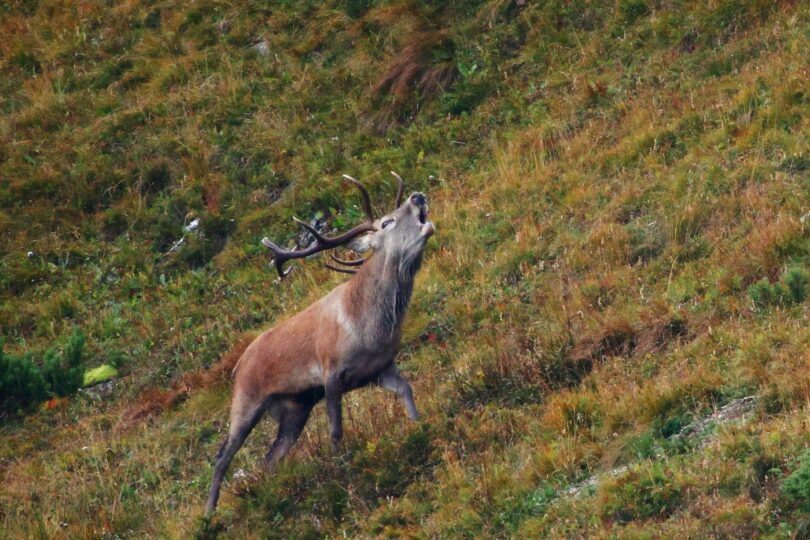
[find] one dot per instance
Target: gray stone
(262, 48)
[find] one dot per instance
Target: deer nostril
(418, 199)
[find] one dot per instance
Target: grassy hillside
(621, 192)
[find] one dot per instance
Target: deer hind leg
(244, 417)
(291, 421)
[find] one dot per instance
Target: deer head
(401, 233)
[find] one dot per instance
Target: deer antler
(358, 262)
(344, 262)
(400, 189)
(322, 243)
(339, 269)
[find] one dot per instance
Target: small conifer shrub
(24, 383)
(63, 373)
(796, 487)
(21, 383)
(792, 289)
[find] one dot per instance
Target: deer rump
(346, 340)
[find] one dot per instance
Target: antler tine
(357, 262)
(280, 256)
(366, 198)
(400, 189)
(312, 230)
(322, 243)
(341, 270)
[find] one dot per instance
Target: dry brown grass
(154, 401)
(411, 75)
(614, 336)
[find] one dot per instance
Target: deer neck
(379, 294)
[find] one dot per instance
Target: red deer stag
(345, 340)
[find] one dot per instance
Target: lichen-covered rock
(102, 373)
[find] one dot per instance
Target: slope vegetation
(609, 336)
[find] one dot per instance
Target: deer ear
(363, 243)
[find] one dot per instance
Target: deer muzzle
(420, 202)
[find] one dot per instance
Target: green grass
(621, 195)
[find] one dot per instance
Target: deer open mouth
(423, 214)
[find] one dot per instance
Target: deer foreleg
(392, 380)
(334, 410)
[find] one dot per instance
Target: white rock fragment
(177, 245)
(193, 226)
(262, 48)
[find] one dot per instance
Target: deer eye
(386, 222)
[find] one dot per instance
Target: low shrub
(534, 503)
(21, 383)
(63, 372)
(24, 383)
(792, 289)
(796, 486)
(649, 492)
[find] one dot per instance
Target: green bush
(792, 289)
(23, 383)
(764, 293)
(63, 372)
(797, 281)
(513, 511)
(796, 487)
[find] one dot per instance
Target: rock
(262, 48)
(730, 411)
(99, 391)
(101, 374)
(305, 238)
(193, 226)
(593, 481)
(177, 245)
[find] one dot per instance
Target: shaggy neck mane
(379, 293)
